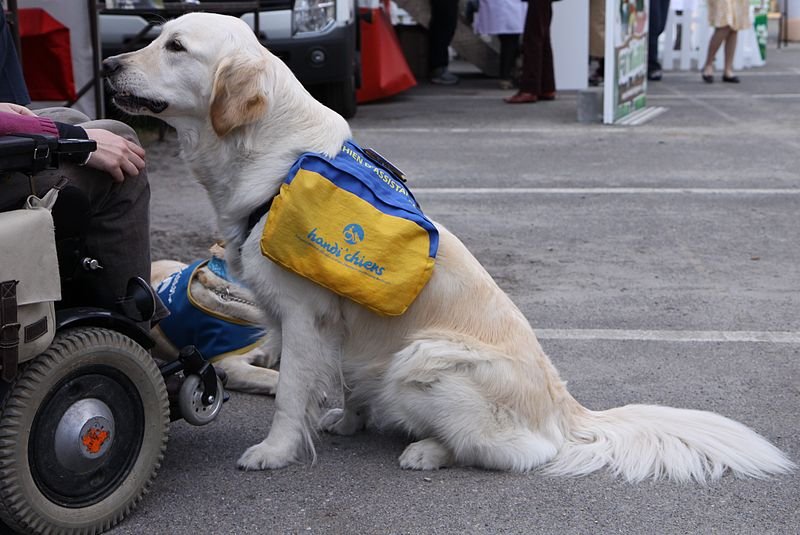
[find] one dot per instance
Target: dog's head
(203, 67)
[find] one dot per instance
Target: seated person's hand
(115, 155)
(7, 107)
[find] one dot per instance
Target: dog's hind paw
(341, 422)
(263, 457)
(330, 420)
(428, 454)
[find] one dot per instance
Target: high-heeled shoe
(707, 78)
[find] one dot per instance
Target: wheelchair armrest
(31, 153)
(26, 154)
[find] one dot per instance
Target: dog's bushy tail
(640, 442)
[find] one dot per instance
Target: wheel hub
(84, 434)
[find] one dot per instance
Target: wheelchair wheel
(83, 430)
(191, 404)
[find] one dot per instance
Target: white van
(318, 40)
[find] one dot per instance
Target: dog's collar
(256, 215)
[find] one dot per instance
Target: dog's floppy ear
(237, 97)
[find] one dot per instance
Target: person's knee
(62, 115)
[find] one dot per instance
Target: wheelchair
(84, 408)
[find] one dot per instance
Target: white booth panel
(569, 34)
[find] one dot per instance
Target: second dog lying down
(246, 360)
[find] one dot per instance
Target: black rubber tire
(24, 507)
(189, 401)
(339, 96)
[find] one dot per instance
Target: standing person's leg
(730, 51)
(597, 35)
(657, 21)
(547, 89)
(442, 27)
(717, 38)
(530, 83)
(509, 50)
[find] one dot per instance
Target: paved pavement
(660, 262)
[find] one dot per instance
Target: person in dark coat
(538, 81)
(12, 88)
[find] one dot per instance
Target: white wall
(793, 9)
(569, 34)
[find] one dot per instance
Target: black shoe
(731, 79)
(442, 76)
(596, 78)
(655, 75)
(708, 78)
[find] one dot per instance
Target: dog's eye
(173, 45)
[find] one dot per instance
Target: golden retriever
(461, 370)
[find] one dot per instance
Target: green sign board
(625, 86)
(760, 26)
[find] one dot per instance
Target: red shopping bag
(384, 70)
(46, 56)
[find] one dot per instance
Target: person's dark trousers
(442, 27)
(538, 76)
(119, 215)
(12, 83)
(509, 50)
(659, 9)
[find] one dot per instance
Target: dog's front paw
(428, 454)
(262, 456)
(341, 422)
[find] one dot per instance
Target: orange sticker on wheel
(94, 439)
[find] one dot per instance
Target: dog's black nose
(110, 66)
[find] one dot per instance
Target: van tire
(339, 96)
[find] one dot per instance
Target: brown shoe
(547, 96)
(521, 97)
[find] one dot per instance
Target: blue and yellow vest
(349, 224)
(189, 323)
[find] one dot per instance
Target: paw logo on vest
(353, 234)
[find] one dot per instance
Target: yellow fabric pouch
(350, 225)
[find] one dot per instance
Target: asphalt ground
(660, 264)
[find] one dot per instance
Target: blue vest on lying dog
(189, 323)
